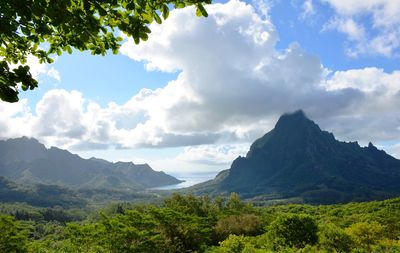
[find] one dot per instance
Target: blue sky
(195, 95)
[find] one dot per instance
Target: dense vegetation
(199, 224)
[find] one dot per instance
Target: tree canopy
(44, 28)
(185, 223)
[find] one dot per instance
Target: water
(190, 179)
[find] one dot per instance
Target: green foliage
(294, 230)
(182, 232)
(191, 224)
(12, 238)
(234, 202)
(66, 25)
(334, 239)
(235, 244)
(365, 234)
(189, 204)
(243, 224)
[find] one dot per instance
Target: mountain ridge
(26, 160)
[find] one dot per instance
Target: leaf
(144, 36)
(146, 29)
(130, 6)
(157, 18)
(201, 11)
(165, 11)
(180, 5)
(25, 30)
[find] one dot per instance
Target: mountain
(25, 160)
(297, 160)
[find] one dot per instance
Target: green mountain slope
(39, 195)
(299, 160)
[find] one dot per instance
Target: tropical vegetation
(185, 223)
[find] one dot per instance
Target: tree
(334, 239)
(42, 28)
(235, 244)
(294, 230)
(12, 238)
(365, 234)
(132, 231)
(243, 224)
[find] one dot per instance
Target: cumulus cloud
(379, 35)
(232, 86)
(230, 72)
(368, 80)
(15, 119)
(373, 118)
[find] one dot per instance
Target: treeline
(200, 224)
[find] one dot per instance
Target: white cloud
(308, 9)
(379, 35)
(367, 80)
(232, 86)
(354, 31)
(59, 117)
(263, 7)
(374, 117)
(15, 119)
(213, 154)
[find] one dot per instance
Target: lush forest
(185, 223)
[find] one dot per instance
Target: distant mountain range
(25, 160)
(297, 160)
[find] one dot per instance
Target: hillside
(297, 160)
(39, 195)
(25, 160)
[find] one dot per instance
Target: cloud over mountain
(232, 84)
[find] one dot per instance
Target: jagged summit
(292, 118)
(295, 122)
(295, 132)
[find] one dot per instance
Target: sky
(201, 90)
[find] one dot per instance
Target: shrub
(334, 239)
(293, 230)
(244, 224)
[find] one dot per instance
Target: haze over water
(189, 179)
